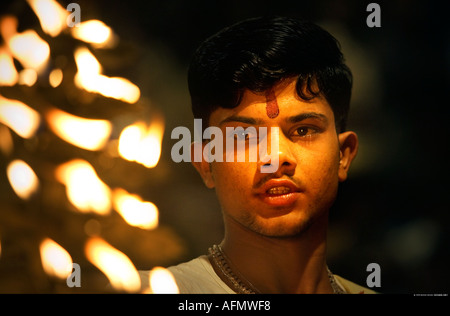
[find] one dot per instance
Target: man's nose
(279, 158)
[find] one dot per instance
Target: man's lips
(279, 192)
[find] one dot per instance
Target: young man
(289, 77)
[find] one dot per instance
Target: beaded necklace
(240, 283)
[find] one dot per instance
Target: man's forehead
(255, 114)
(272, 109)
(279, 103)
(286, 88)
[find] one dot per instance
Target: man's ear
(348, 144)
(203, 167)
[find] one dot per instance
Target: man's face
(304, 186)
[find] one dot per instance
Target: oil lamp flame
(142, 144)
(55, 77)
(8, 72)
(22, 178)
(162, 281)
(84, 188)
(117, 267)
(134, 210)
(56, 261)
(28, 77)
(85, 133)
(94, 32)
(30, 50)
(89, 77)
(19, 117)
(51, 15)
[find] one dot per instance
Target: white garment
(198, 277)
(194, 277)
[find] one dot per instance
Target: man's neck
(279, 265)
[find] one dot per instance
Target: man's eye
(305, 131)
(242, 135)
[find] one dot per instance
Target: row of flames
(119, 269)
(139, 142)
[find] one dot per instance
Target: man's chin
(280, 228)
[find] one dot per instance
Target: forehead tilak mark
(272, 109)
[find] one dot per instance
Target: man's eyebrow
(242, 119)
(307, 115)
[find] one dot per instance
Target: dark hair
(258, 53)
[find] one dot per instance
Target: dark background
(393, 209)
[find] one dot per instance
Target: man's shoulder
(351, 287)
(187, 270)
(194, 276)
(191, 271)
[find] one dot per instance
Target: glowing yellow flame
(94, 32)
(19, 117)
(55, 77)
(89, 77)
(129, 141)
(22, 178)
(56, 261)
(162, 281)
(51, 15)
(8, 26)
(27, 47)
(87, 64)
(84, 188)
(30, 50)
(117, 267)
(85, 133)
(134, 210)
(141, 144)
(6, 141)
(28, 77)
(8, 72)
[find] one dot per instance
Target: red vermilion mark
(271, 104)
